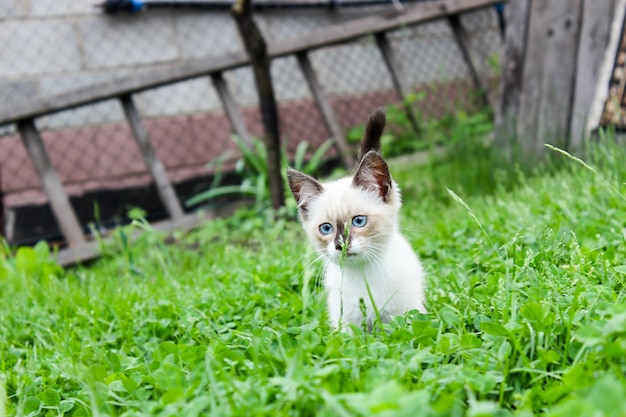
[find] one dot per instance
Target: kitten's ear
(373, 132)
(304, 189)
(373, 175)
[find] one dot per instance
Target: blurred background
(51, 47)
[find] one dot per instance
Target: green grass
(525, 292)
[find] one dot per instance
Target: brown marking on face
(340, 237)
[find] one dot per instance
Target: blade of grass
(589, 167)
(471, 213)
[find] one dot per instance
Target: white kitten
(353, 222)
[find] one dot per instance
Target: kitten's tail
(373, 132)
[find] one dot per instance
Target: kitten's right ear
(373, 175)
(304, 189)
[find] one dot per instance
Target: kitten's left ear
(304, 189)
(373, 175)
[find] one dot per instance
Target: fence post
(260, 61)
(462, 39)
(155, 166)
(540, 109)
(325, 109)
(510, 90)
(51, 183)
(233, 114)
(598, 20)
(396, 76)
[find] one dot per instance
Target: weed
(525, 292)
(253, 170)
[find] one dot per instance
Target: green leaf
(589, 335)
(169, 377)
(621, 269)
(423, 331)
(298, 160)
(607, 394)
(114, 361)
(42, 251)
(32, 405)
(255, 160)
(493, 329)
(137, 213)
(51, 398)
(66, 405)
(98, 372)
(470, 341)
(316, 159)
(219, 192)
(167, 349)
(483, 409)
(172, 396)
(449, 316)
(26, 260)
(535, 312)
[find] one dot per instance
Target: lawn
(526, 299)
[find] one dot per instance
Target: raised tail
(373, 132)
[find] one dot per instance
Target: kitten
(353, 222)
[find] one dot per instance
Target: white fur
(379, 256)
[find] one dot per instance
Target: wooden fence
(553, 59)
(25, 113)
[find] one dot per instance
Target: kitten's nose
(341, 238)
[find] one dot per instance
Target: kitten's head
(351, 218)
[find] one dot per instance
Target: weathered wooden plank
(594, 39)
(91, 250)
(155, 166)
(601, 94)
(260, 62)
(51, 183)
(510, 93)
(463, 41)
(396, 76)
(344, 32)
(232, 112)
(549, 76)
(325, 109)
(331, 35)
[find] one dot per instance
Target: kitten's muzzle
(341, 242)
(340, 246)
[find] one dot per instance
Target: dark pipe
(135, 6)
(117, 6)
(501, 19)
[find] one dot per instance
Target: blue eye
(359, 221)
(326, 228)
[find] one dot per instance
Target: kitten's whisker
(376, 258)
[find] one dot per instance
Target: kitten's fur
(374, 255)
